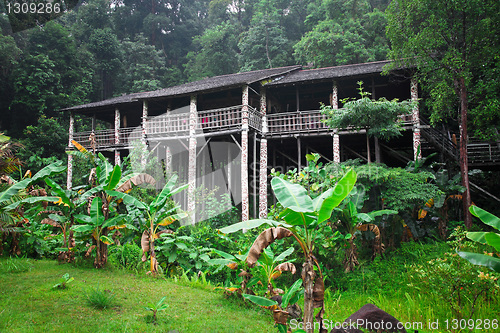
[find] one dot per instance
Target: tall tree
(265, 44)
(48, 78)
(444, 40)
(9, 55)
(144, 67)
(217, 54)
(343, 32)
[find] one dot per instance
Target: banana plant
(103, 177)
(352, 220)
(301, 218)
(61, 214)
(98, 224)
(272, 266)
(14, 195)
(157, 214)
(279, 309)
(245, 280)
(491, 261)
(157, 307)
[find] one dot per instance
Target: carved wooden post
(336, 138)
(168, 161)
(117, 136)
(415, 117)
(244, 155)
(192, 158)
(263, 157)
(144, 132)
(69, 181)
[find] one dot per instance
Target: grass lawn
(29, 304)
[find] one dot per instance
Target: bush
(99, 299)
(127, 256)
(462, 285)
(16, 265)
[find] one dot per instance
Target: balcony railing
(220, 119)
(296, 122)
(171, 125)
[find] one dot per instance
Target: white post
(193, 115)
(168, 161)
(336, 138)
(69, 181)
(144, 133)
(415, 116)
(244, 155)
(263, 157)
(117, 136)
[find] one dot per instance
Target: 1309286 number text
(33, 7)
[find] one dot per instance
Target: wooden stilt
(69, 180)
(117, 136)
(244, 155)
(254, 176)
(299, 154)
(192, 159)
(263, 157)
(415, 119)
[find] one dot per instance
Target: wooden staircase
(479, 153)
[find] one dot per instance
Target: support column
(336, 148)
(336, 138)
(168, 153)
(263, 157)
(254, 176)
(299, 154)
(193, 115)
(144, 139)
(117, 136)
(415, 116)
(144, 121)
(229, 179)
(69, 181)
(92, 136)
(244, 155)
(168, 161)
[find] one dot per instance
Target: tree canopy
(453, 45)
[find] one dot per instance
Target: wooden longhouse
(226, 133)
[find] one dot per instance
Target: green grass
(387, 284)
(29, 304)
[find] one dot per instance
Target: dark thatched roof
(329, 73)
(222, 81)
(205, 85)
(278, 76)
(124, 99)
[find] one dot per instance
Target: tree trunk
(351, 256)
(378, 157)
(154, 262)
(464, 166)
(308, 279)
(101, 257)
(368, 147)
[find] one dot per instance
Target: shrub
(99, 298)
(127, 256)
(17, 265)
(462, 285)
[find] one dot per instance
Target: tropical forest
(345, 241)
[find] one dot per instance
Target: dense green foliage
(446, 42)
(103, 49)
